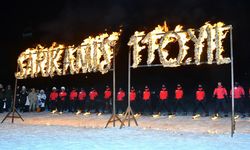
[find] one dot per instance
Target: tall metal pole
(129, 84)
(232, 82)
(114, 113)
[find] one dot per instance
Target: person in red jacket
(81, 100)
(220, 93)
(92, 100)
(72, 100)
(146, 98)
(179, 101)
(133, 100)
(107, 99)
(200, 100)
(62, 99)
(120, 101)
(239, 94)
(163, 100)
(53, 97)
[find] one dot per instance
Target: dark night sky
(69, 22)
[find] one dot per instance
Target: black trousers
(8, 104)
(119, 106)
(80, 105)
(239, 106)
(179, 104)
(22, 105)
(42, 109)
(164, 104)
(107, 106)
(92, 104)
(200, 104)
(134, 106)
(1, 105)
(146, 106)
(60, 105)
(52, 105)
(221, 105)
(72, 105)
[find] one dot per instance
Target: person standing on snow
(61, 101)
(92, 101)
(41, 100)
(239, 94)
(179, 101)
(9, 97)
(107, 99)
(220, 94)
(200, 101)
(163, 101)
(120, 101)
(133, 100)
(53, 97)
(23, 98)
(81, 101)
(32, 100)
(146, 98)
(72, 100)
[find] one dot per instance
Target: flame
(214, 34)
(150, 39)
(41, 60)
(182, 38)
(107, 49)
(220, 35)
(55, 53)
(211, 46)
(198, 42)
(134, 41)
(69, 60)
(76, 59)
(163, 53)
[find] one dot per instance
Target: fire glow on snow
(23, 137)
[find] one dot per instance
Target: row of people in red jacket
(77, 100)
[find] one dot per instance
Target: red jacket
(146, 95)
(163, 94)
(81, 95)
(239, 92)
(53, 96)
(92, 95)
(120, 95)
(73, 95)
(220, 92)
(179, 93)
(132, 95)
(200, 94)
(107, 94)
(62, 95)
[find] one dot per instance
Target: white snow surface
(36, 134)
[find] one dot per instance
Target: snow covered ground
(68, 131)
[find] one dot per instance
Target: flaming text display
(160, 37)
(94, 54)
